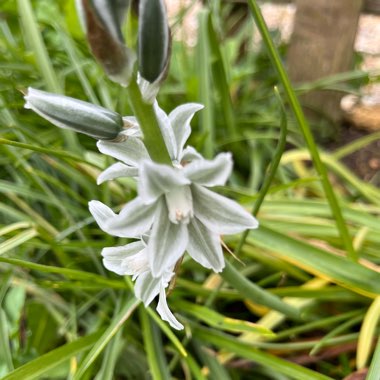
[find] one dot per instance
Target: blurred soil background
(361, 112)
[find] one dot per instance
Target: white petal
(167, 242)
(189, 154)
(157, 179)
(220, 214)
(210, 172)
(134, 220)
(131, 127)
(165, 313)
(102, 214)
(115, 171)
(147, 287)
(130, 259)
(148, 90)
(130, 151)
(204, 246)
(167, 131)
(180, 119)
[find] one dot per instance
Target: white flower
(175, 129)
(132, 259)
(181, 212)
(173, 206)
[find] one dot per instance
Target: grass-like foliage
(299, 299)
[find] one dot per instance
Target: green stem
(148, 122)
(305, 128)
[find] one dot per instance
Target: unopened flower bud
(77, 115)
(154, 45)
(103, 20)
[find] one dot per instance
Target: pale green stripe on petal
(180, 119)
(204, 246)
(131, 151)
(116, 171)
(134, 220)
(220, 214)
(210, 172)
(167, 131)
(157, 179)
(167, 242)
(147, 287)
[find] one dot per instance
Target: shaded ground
(365, 162)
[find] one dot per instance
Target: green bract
(74, 114)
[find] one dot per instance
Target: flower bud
(154, 40)
(77, 115)
(103, 20)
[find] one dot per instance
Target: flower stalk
(147, 119)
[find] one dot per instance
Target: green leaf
(245, 350)
(255, 293)
(5, 349)
(17, 240)
(104, 339)
(368, 333)
(42, 365)
(374, 369)
(154, 347)
(337, 269)
(219, 321)
(70, 273)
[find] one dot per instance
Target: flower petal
(135, 218)
(157, 179)
(220, 214)
(130, 259)
(148, 90)
(167, 242)
(130, 151)
(167, 131)
(189, 154)
(147, 287)
(115, 171)
(131, 127)
(165, 313)
(102, 214)
(210, 172)
(204, 246)
(180, 119)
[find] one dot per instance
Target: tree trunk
(322, 45)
